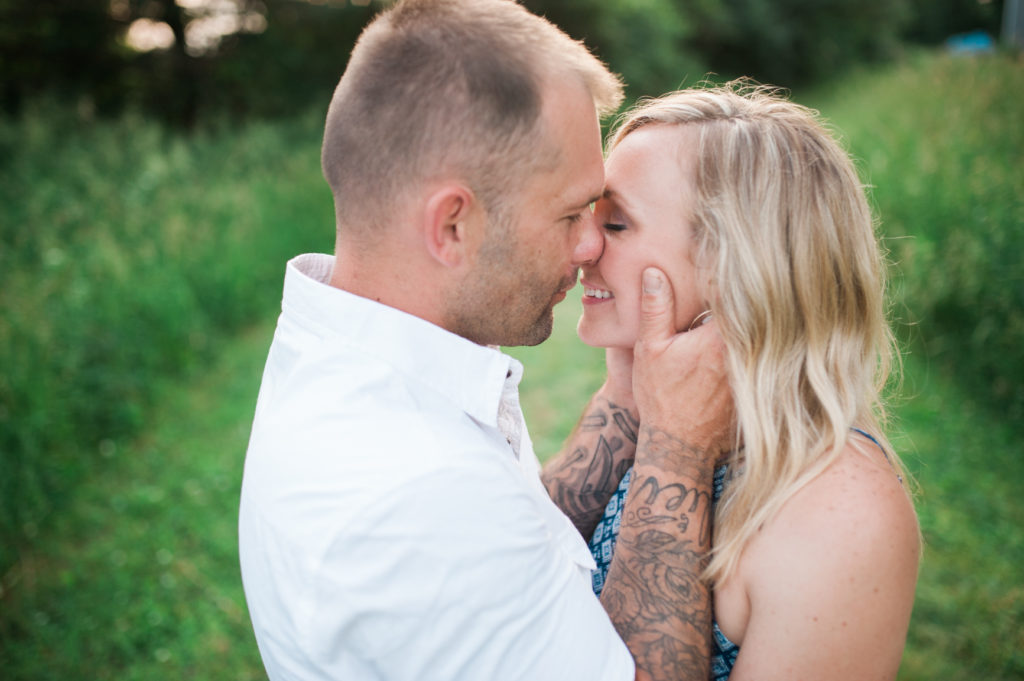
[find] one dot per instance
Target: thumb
(657, 307)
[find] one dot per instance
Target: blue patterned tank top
(602, 544)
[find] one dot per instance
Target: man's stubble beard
(499, 301)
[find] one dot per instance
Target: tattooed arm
(654, 594)
(582, 478)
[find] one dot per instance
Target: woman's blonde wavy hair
(784, 229)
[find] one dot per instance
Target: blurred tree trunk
(185, 73)
(1013, 24)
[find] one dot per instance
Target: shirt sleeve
(456, 576)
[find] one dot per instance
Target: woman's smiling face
(646, 215)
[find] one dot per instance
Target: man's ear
(451, 223)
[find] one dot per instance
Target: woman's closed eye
(614, 226)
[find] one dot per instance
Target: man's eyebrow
(585, 204)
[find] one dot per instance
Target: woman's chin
(596, 339)
(586, 338)
(587, 334)
(592, 343)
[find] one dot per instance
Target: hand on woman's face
(646, 218)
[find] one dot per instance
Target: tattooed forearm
(654, 593)
(678, 503)
(583, 477)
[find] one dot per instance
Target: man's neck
(396, 280)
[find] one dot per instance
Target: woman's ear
(451, 223)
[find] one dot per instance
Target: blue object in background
(975, 42)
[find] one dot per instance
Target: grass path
(968, 620)
(139, 578)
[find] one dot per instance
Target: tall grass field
(127, 255)
(140, 276)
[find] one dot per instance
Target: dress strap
(880, 447)
(870, 437)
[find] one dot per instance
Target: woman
(757, 216)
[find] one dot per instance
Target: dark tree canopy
(288, 53)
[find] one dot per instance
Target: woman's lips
(595, 295)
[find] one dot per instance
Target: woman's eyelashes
(610, 217)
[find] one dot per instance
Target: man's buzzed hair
(448, 87)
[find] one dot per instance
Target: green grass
(131, 572)
(968, 618)
(140, 579)
(126, 254)
(940, 140)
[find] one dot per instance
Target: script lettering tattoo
(654, 593)
(582, 479)
(679, 503)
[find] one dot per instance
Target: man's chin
(539, 332)
(538, 336)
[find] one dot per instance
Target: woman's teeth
(597, 293)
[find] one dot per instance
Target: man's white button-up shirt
(393, 524)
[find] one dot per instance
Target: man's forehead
(571, 127)
(577, 190)
(587, 185)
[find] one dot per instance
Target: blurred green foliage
(76, 50)
(794, 42)
(932, 21)
(126, 253)
(140, 582)
(941, 143)
(647, 41)
(801, 42)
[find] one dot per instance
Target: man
(393, 524)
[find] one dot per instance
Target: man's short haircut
(448, 87)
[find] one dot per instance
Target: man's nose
(590, 241)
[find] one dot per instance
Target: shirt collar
(470, 375)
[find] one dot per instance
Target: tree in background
(179, 60)
(183, 60)
(932, 21)
(66, 46)
(794, 42)
(648, 41)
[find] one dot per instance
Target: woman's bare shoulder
(858, 505)
(831, 577)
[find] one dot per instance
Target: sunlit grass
(968, 618)
(126, 254)
(139, 579)
(940, 140)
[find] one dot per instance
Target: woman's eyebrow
(617, 199)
